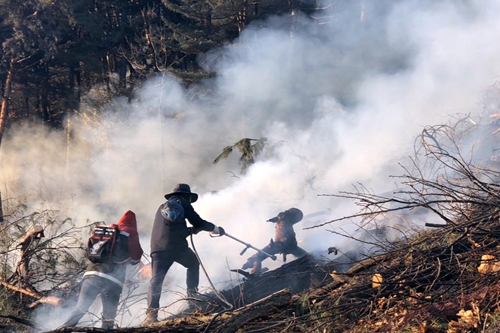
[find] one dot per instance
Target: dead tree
(26, 248)
(47, 266)
(21, 273)
(443, 178)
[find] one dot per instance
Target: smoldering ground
(339, 103)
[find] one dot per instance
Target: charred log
(243, 315)
(294, 276)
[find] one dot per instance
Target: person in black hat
(284, 240)
(169, 244)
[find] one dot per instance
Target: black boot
(192, 292)
(151, 316)
(108, 323)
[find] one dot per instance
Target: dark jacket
(167, 237)
(127, 251)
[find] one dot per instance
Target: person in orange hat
(107, 278)
(169, 244)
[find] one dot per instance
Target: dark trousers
(272, 248)
(161, 262)
(279, 247)
(110, 296)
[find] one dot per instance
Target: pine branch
(248, 151)
(224, 155)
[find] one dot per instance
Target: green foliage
(303, 305)
(249, 152)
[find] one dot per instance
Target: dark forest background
(55, 52)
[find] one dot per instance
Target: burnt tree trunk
(4, 111)
(44, 99)
(122, 66)
(74, 87)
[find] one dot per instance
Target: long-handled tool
(247, 246)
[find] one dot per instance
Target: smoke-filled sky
(339, 103)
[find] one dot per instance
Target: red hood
(128, 223)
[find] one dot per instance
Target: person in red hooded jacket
(107, 278)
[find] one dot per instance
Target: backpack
(101, 243)
(173, 212)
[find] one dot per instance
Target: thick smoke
(339, 103)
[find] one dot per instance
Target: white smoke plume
(339, 103)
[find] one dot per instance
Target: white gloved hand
(218, 231)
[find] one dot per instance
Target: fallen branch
(320, 294)
(247, 313)
(434, 225)
(190, 324)
(155, 329)
(23, 291)
(7, 328)
(39, 298)
(52, 300)
(20, 321)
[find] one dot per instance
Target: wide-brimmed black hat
(182, 189)
(292, 215)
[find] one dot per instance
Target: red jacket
(115, 271)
